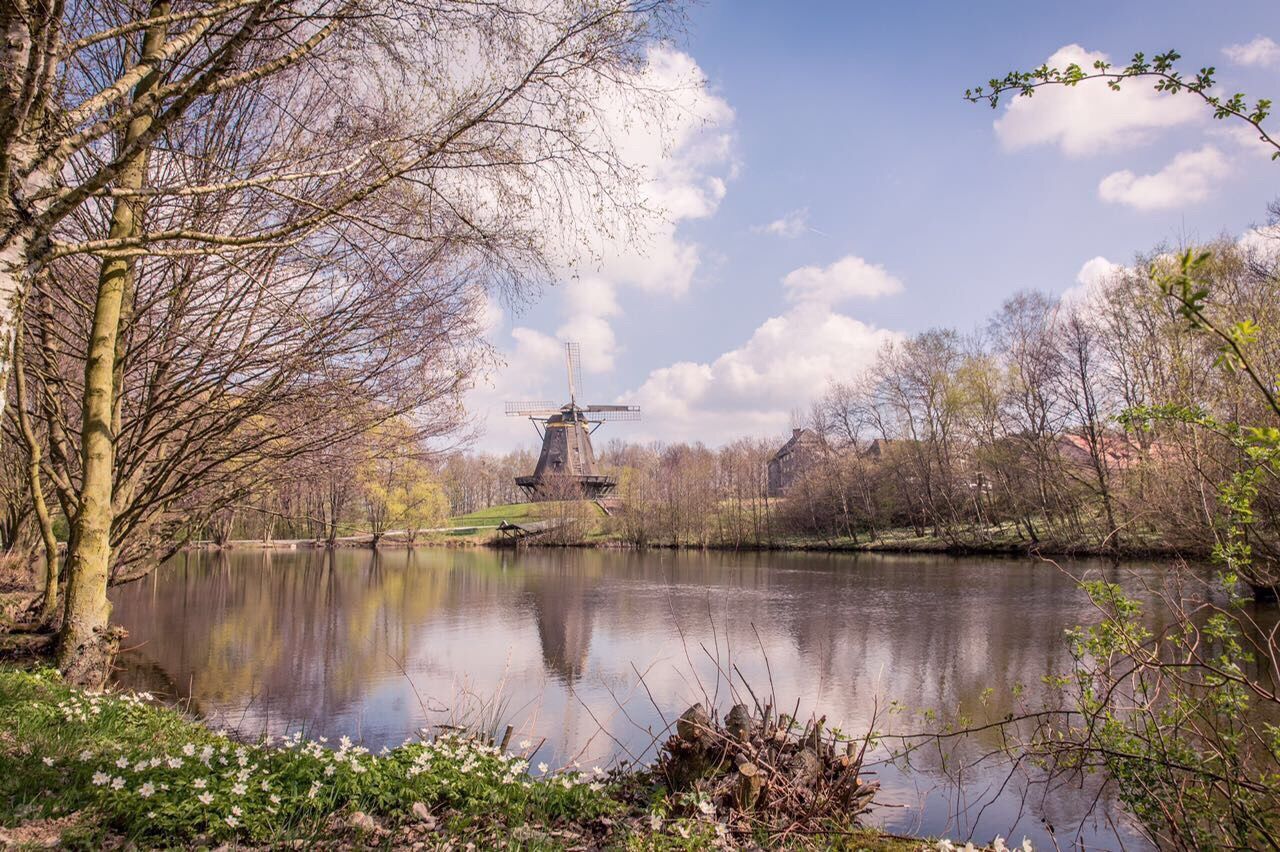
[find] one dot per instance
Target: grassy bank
(596, 529)
(599, 530)
(87, 770)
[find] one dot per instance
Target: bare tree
(295, 151)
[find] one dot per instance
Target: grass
(89, 770)
(493, 515)
(142, 773)
(1004, 538)
(515, 513)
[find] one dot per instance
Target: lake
(587, 652)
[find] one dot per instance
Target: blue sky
(843, 123)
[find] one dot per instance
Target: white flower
(235, 809)
(345, 742)
(264, 786)
(175, 763)
(275, 800)
(205, 798)
(86, 755)
(328, 770)
(199, 783)
(525, 744)
(595, 786)
(122, 763)
(100, 778)
(706, 807)
(1026, 845)
(117, 783)
(189, 749)
(140, 765)
(232, 821)
(565, 782)
(542, 767)
(147, 790)
(997, 845)
(237, 789)
(597, 771)
(655, 822)
(47, 761)
(945, 845)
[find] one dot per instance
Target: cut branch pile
(765, 771)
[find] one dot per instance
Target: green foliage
(1162, 68)
(1167, 717)
(1167, 714)
(1257, 447)
(156, 777)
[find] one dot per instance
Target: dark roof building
(792, 460)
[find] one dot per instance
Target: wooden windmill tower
(567, 461)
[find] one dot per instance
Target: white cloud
(1096, 272)
(1187, 179)
(1090, 281)
(679, 135)
(1090, 118)
(1263, 242)
(752, 390)
(1246, 140)
(789, 226)
(848, 278)
(1261, 51)
(686, 154)
(589, 303)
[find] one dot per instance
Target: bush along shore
(87, 769)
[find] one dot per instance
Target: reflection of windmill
(567, 458)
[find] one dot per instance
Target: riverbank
(902, 542)
(903, 545)
(102, 770)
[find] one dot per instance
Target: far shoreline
(922, 546)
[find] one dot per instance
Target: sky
(828, 189)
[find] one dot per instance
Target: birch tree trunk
(30, 33)
(84, 647)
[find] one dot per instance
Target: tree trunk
(84, 644)
(13, 262)
(49, 608)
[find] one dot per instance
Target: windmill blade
(573, 363)
(612, 412)
(538, 408)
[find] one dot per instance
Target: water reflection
(378, 645)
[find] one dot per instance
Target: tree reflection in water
(378, 645)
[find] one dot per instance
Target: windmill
(567, 458)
